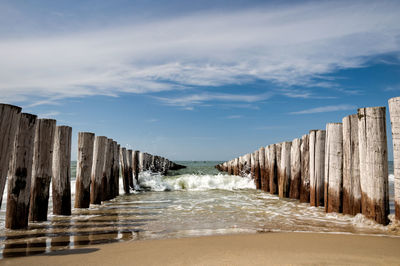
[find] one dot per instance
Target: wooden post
(284, 173)
(141, 161)
(333, 168)
(117, 168)
(351, 166)
(124, 168)
(9, 122)
(20, 173)
(394, 109)
(248, 164)
(317, 167)
(42, 169)
(61, 182)
(107, 167)
(373, 163)
(236, 166)
(257, 169)
(295, 169)
(278, 151)
(264, 185)
(272, 169)
(266, 169)
(241, 165)
(84, 169)
(135, 165)
(229, 165)
(305, 169)
(97, 169)
(129, 159)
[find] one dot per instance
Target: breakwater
(36, 153)
(343, 168)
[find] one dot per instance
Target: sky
(198, 80)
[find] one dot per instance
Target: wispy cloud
(286, 45)
(234, 116)
(324, 109)
(188, 101)
(50, 114)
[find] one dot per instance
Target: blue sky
(198, 80)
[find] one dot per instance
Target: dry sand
(251, 249)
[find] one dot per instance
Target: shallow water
(190, 202)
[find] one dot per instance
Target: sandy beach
(242, 249)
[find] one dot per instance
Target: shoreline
(235, 249)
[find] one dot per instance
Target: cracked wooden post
(135, 165)
(272, 169)
(333, 182)
(394, 109)
(284, 173)
(317, 167)
(295, 169)
(305, 169)
(351, 166)
(129, 159)
(141, 161)
(257, 169)
(61, 182)
(97, 169)
(9, 122)
(42, 169)
(373, 163)
(124, 168)
(84, 169)
(20, 173)
(264, 183)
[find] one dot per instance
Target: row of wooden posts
(343, 168)
(35, 152)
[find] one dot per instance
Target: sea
(195, 201)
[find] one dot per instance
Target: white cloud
(189, 101)
(234, 116)
(324, 109)
(288, 45)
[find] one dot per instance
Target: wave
(193, 182)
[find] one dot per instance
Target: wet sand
(241, 249)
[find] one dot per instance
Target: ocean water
(195, 201)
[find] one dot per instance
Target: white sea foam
(193, 182)
(391, 178)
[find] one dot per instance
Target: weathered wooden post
(141, 161)
(317, 167)
(373, 163)
(333, 168)
(305, 169)
(351, 166)
(84, 169)
(248, 164)
(229, 165)
(253, 167)
(135, 165)
(266, 169)
(124, 168)
(42, 169)
(97, 169)
(295, 169)
(264, 185)
(105, 181)
(9, 122)
(273, 169)
(257, 169)
(112, 176)
(20, 173)
(129, 158)
(394, 109)
(117, 167)
(61, 182)
(284, 173)
(236, 166)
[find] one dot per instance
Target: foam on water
(194, 182)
